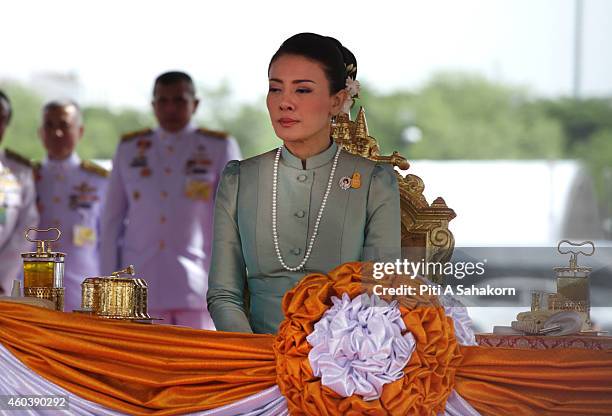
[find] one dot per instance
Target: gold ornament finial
(361, 126)
(128, 270)
(353, 136)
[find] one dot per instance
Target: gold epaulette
(129, 136)
(92, 167)
(18, 158)
(213, 133)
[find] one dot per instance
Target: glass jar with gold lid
(43, 270)
(573, 291)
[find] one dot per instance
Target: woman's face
(299, 101)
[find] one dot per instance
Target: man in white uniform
(159, 208)
(70, 196)
(17, 206)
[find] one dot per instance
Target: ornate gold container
(55, 295)
(120, 296)
(43, 270)
(573, 292)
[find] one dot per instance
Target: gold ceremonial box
(120, 296)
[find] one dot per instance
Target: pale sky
(116, 48)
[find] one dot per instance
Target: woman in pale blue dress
(305, 207)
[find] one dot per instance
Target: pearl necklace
(319, 215)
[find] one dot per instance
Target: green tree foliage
(104, 127)
(22, 133)
(587, 125)
(464, 116)
(597, 153)
(581, 119)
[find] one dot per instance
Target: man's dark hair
(4, 97)
(174, 77)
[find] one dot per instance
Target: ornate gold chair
(425, 233)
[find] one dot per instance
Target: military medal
(345, 183)
(143, 145)
(83, 236)
(84, 197)
(198, 185)
(198, 163)
(140, 160)
(198, 190)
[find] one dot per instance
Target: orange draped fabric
(164, 370)
(507, 381)
(136, 368)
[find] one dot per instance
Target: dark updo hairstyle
(337, 61)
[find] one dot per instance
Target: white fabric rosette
(360, 345)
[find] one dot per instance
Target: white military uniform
(158, 215)
(17, 214)
(70, 196)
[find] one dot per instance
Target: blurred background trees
(453, 116)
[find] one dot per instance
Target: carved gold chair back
(425, 233)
